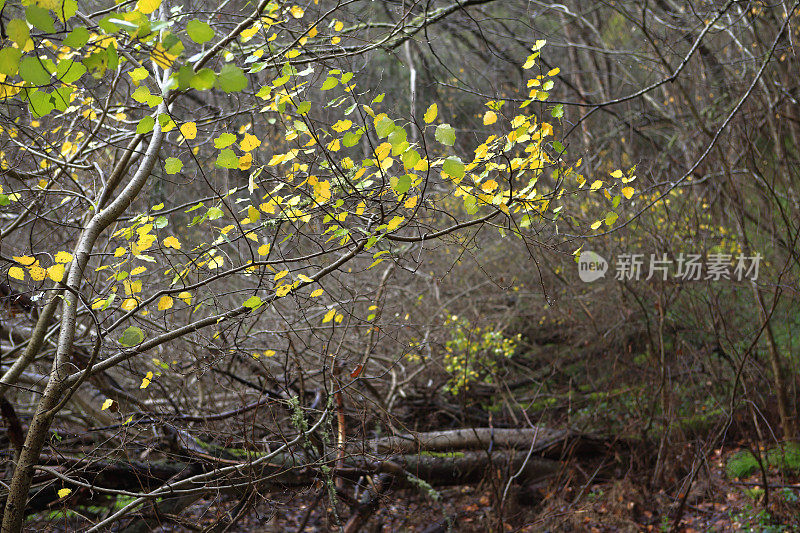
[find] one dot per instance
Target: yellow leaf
(37, 273)
(250, 142)
(596, 185)
(106, 404)
(216, 262)
(146, 380)
(305, 278)
(338, 318)
(329, 316)
(186, 297)
(246, 161)
(165, 302)
(119, 252)
(554, 71)
(342, 125)
(252, 214)
(63, 257)
(490, 117)
(283, 290)
(269, 353)
(189, 130)
(129, 304)
(430, 114)
(297, 12)
(25, 260)
(63, 493)
(264, 249)
(147, 6)
(248, 34)
(596, 224)
(627, 192)
(394, 223)
(338, 26)
(317, 292)
(56, 272)
(138, 270)
(172, 242)
(16, 273)
(489, 185)
(616, 174)
(281, 274)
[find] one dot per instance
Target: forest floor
(715, 504)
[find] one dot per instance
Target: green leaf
(351, 139)
(40, 103)
(231, 79)
(199, 31)
(224, 140)
(18, 32)
(558, 111)
(401, 184)
(410, 158)
(227, 159)
(61, 97)
(141, 94)
(203, 80)
(40, 18)
(253, 302)
(138, 74)
(214, 213)
(68, 10)
(384, 127)
(398, 141)
(173, 165)
(303, 108)
(445, 134)
(77, 37)
(131, 336)
(69, 71)
(611, 217)
(9, 61)
(32, 71)
(145, 125)
(454, 167)
(330, 83)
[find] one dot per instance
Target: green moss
(785, 458)
(741, 464)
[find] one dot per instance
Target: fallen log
(472, 439)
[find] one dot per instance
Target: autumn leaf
(63, 257)
(172, 242)
(189, 130)
(106, 404)
(431, 113)
(165, 302)
(56, 272)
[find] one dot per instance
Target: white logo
(591, 266)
